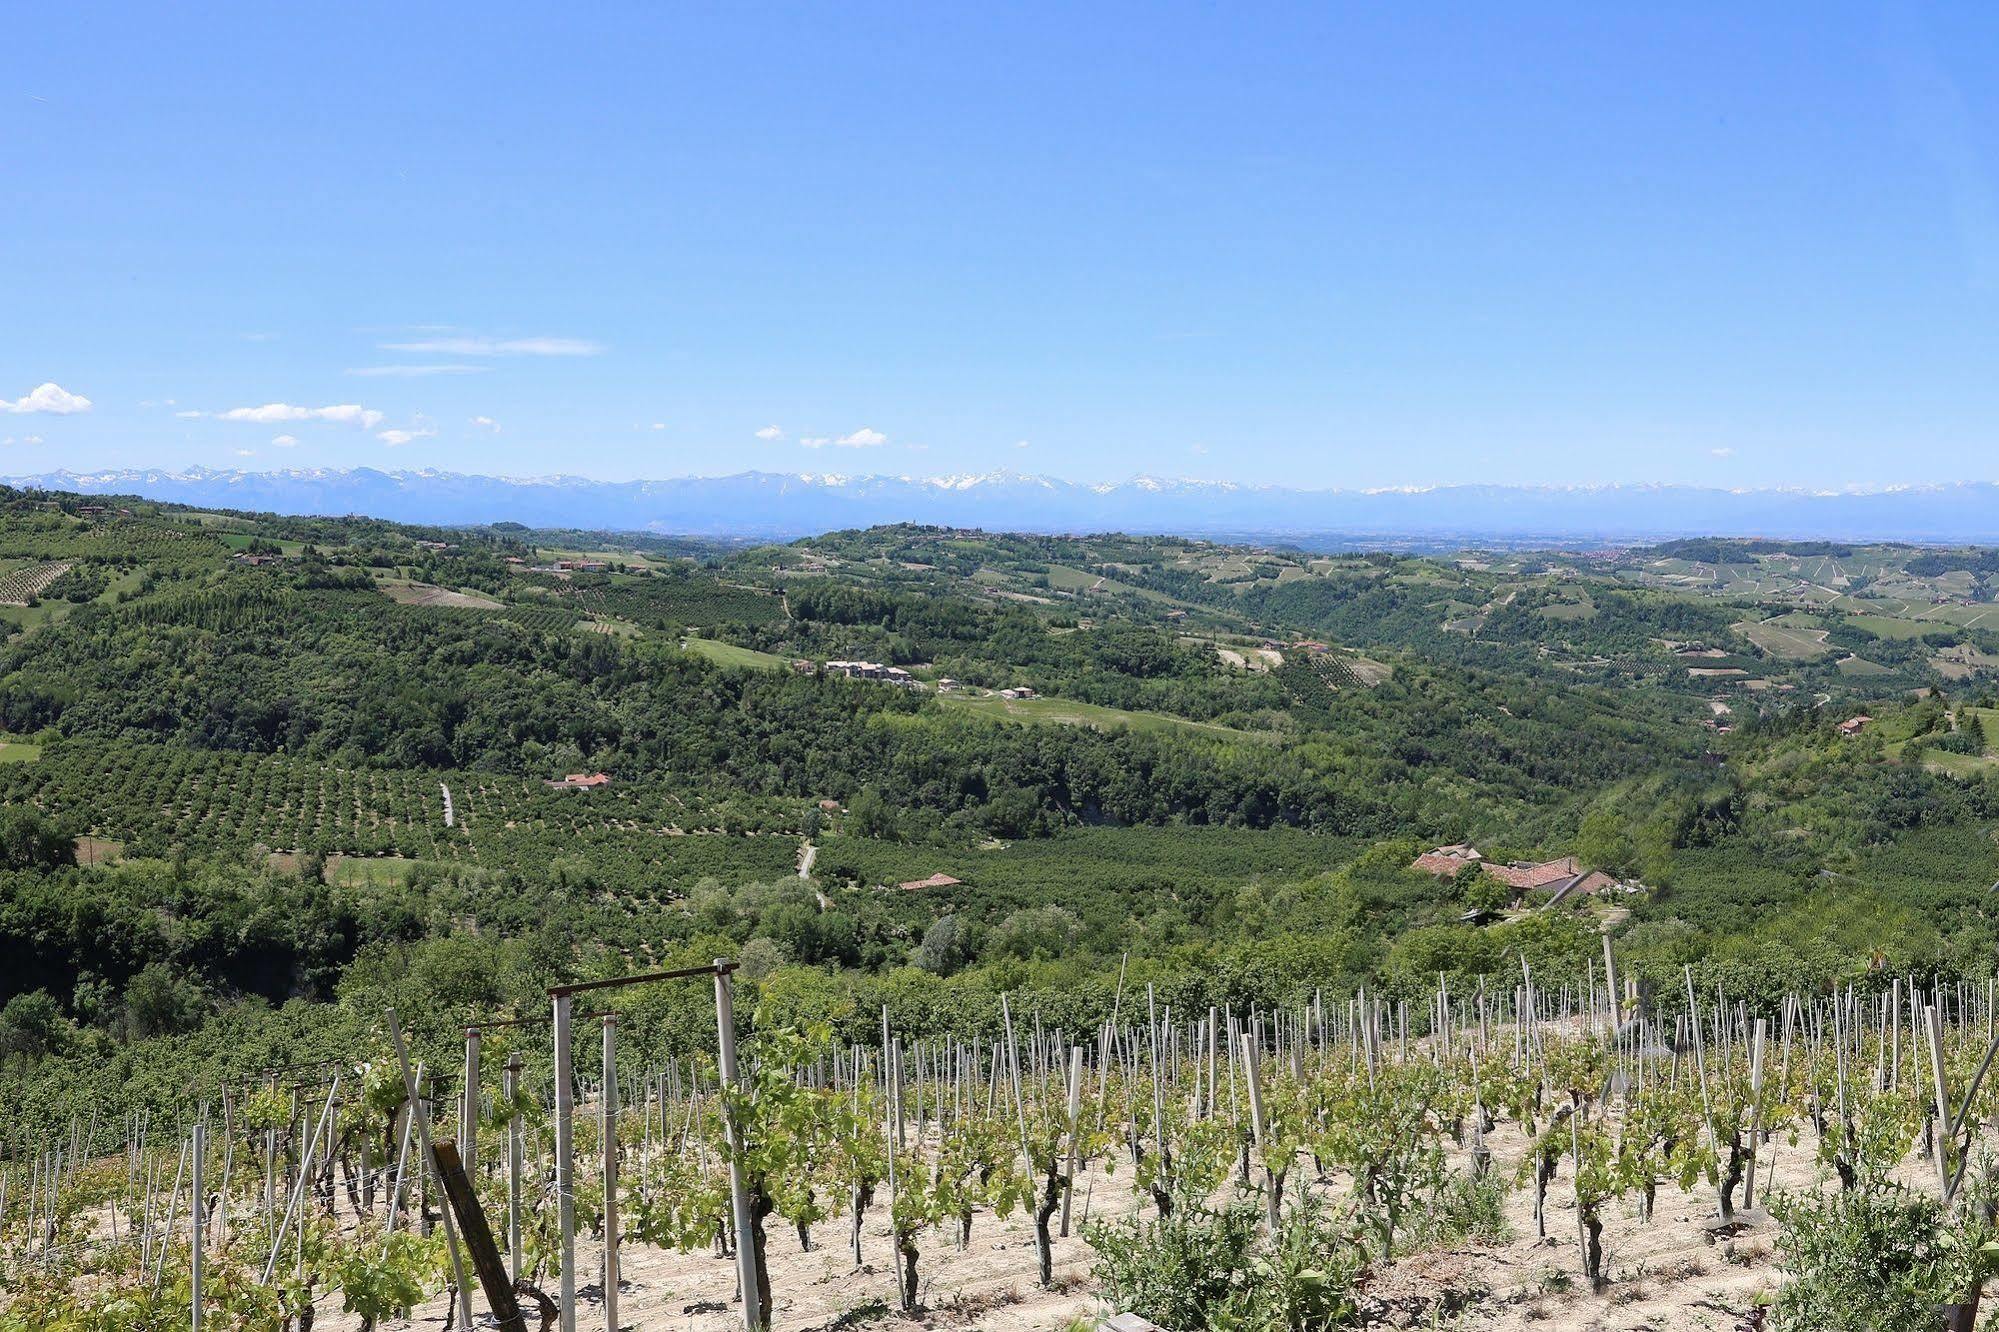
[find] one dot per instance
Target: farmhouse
(1018, 691)
(1855, 725)
(1446, 861)
(582, 781)
(1525, 875)
(1562, 879)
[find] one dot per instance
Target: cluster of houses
(581, 781)
(558, 567)
(860, 670)
(1562, 880)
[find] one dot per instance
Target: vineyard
(122, 541)
(19, 587)
(661, 602)
(1258, 1169)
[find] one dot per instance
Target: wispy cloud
(395, 439)
(486, 423)
(415, 371)
(277, 413)
(284, 441)
(51, 398)
(246, 453)
(864, 438)
(659, 425)
(23, 439)
(483, 346)
(770, 432)
(1020, 444)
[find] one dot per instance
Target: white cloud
(770, 433)
(659, 425)
(479, 346)
(1020, 444)
(864, 438)
(1198, 449)
(284, 441)
(246, 453)
(51, 397)
(486, 423)
(415, 371)
(395, 439)
(276, 413)
(24, 439)
(190, 415)
(1722, 452)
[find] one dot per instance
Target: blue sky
(1315, 244)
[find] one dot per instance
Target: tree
(30, 1025)
(160, 1002)
(30, 841)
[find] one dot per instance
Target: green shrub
(1215, 1267)
(1876, 1260)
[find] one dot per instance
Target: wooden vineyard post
(739, 1187)
(607, 1101)
(1075, 1122)
(468, 1106)
(421, 1117)
(1257, 1127)
(562, 997)
(459, 1196)
(1755, 1108)
(194, 1227)
(565, 1166)
(512, 1088)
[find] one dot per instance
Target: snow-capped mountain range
(771, 504)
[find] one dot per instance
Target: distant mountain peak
(785, 505)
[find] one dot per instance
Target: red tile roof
(1541, 875)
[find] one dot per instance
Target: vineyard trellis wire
(312, 1170)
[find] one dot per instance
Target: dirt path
(450, 814)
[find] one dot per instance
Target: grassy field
(728, 654)
(368, 871)
(1860, 666)
(424, 594)
(1067, 712)
(18, 751)
(1788, 642)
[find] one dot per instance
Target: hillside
(264, 777)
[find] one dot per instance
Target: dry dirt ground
(1673, 1273)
